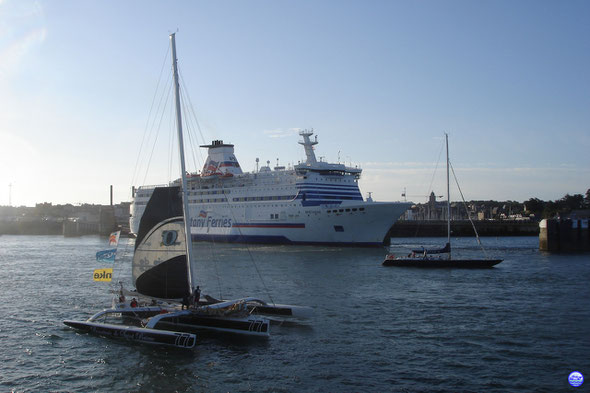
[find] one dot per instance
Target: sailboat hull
(193, 322)
(442, 263)
(148, 336)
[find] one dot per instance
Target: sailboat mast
(187, 227)
(448, 196)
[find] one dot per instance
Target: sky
(84, 103)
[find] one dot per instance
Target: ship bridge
(311, 164)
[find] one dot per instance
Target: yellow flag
(103, 274)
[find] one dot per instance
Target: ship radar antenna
(308, 146)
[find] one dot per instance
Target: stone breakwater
(463, 228)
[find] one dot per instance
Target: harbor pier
(564, 235)
(438, 228)
(74, 228)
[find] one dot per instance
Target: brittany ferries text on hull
(314, 203)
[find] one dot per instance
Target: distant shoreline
(427, 228)
(436, 228)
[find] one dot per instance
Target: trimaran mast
(187, 228)
(448, 197)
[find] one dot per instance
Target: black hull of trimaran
(149, 336)
(443, 263)
(193, 323)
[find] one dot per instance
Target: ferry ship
(314, 202)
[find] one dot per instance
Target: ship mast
(448, 197)
(187, 227)
(308, 146)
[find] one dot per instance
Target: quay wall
(460, 228)
(63, 226)
(565, 235)
(37, 227)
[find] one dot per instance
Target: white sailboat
(163, 274)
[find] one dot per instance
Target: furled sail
(159, 263)
(445, 249)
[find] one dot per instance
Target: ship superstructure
(314, 202)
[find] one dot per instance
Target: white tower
(308, 146)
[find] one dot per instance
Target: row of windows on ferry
(352, 209)
(208, 192)
(272, 182)
(267, 198)
(241, 199)
(213, 192)
(225, 191)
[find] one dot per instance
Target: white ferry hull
(311, 226)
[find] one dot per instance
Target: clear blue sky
(379, 81)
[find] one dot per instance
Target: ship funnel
(221, 160)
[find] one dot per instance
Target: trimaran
(163, 273)
(424, 258)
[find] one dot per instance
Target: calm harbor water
(521, 326)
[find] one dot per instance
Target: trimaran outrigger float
(163, 274)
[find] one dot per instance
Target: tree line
(560, 207)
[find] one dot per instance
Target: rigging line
(192, 116)
(172, 140)
(118, 270)
(251, 256)
(191, 111)
(192, 107)
(221, 186)
(157, 133)
(435, 168)
(191, 137)
(215, 258)
(467, 210)
(163, 103)
(149, 115)
(259, 274)
(160, 110)
(212, 246)
(430, 189)
(216, 267)
(187, 124)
